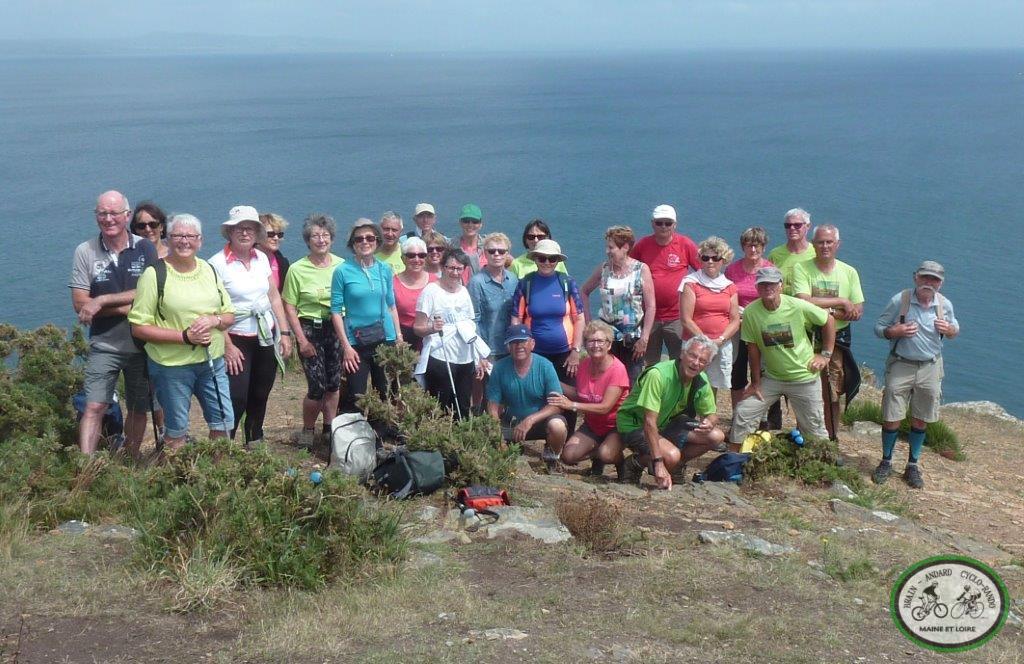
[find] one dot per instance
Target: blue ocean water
(912, 155)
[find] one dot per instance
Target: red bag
(482, 498)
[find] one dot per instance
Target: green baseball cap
(471, 211)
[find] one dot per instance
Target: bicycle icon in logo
(968, 604)
(930, 604)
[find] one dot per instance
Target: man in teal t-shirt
(775, 330)
(669, 416)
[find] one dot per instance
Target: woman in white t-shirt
(251, 345)
(444, 318)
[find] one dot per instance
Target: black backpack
(405, 473)
(727, 467)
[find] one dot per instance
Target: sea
(913, 155)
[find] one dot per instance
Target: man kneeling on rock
(669, 417)
(517, 396)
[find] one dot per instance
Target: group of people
(512, 338)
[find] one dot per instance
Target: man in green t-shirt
(669, 416)
(390, 250)
(796, 250)
(832, 284)
(775, 330)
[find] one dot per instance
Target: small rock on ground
(73, 527)
(498, 634)
(748, 542)
(841, 490)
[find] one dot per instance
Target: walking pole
(451, 379)
(216, 387)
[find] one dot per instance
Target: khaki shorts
(918, 382)
(101, 371)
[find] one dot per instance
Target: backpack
(405, 473)
(482, 499)
(727, 467)
(160, 267)
(353, 445)
(527, 285)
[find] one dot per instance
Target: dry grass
(202, 581)
(594, 521)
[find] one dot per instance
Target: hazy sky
(525, 25)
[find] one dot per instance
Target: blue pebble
(290, 472)
(315, 477)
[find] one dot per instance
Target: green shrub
(938, 436)
(814, 463)
(472, 447)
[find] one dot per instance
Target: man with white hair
(390, 250)
(916, 321)
(425, 218)
(669, 255)
(834, 285)
(104, 273)
(797, 249)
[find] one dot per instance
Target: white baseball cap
(664, 212)
(424, 208)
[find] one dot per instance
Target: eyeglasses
(109, 214)
(244, 229)
(596, 342)
(191, 237)
(472, 221)
(420, 255)
(495, 251)
(368, 239)
(152, 225)
(453, 268)
(435, 250)
(793, 224)
(664, 223)
(546, 259)
(321, 237)
(710, 259)
(275, 234)
(536, 236)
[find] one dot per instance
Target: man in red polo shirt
(670, 255)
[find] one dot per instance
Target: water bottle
(796, 437)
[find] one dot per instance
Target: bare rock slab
(744, 541)
(536, 522)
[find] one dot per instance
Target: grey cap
(931, 268)
(769, 275)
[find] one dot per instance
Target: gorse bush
(472, 448)
(938, 435)
(594, 521)
(814, 463)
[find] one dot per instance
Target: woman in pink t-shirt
(709, 305)
(408, 285)
(601, 386)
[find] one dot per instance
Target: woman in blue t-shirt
(549, 304)
(363, 312)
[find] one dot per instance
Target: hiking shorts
(675, 430)
(920, 383)
(101, 371)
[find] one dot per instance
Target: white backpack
(353, 445)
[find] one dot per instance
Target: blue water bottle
(796, 437)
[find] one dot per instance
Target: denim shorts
(175, 387)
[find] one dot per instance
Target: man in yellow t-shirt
(832, 284)
(796, 250)
(775, 329)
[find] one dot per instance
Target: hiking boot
(306, 439)
(596, 468)
(630, 471)
(882, 473)
(679, 474)
(912, 476)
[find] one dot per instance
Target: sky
(520, 25)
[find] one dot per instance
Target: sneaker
(551, 462)
(679, 474)
(912, 476)
(306, 439)
(630, 471)
(882, 473)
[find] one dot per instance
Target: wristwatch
(575, 348)
(286, 333)
(827, 354)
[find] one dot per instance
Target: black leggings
(369, 370)
(439, 385)
(323, 370)
(251, 388)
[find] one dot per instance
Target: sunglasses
(536, 236)
(710, 259)
(546, 259)
(368, 239)
(152, 225)
(472, 221)
(274, 234)
(793, 224)
(664, 223)
(497, 252)
(421, 255)
(435, 250)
